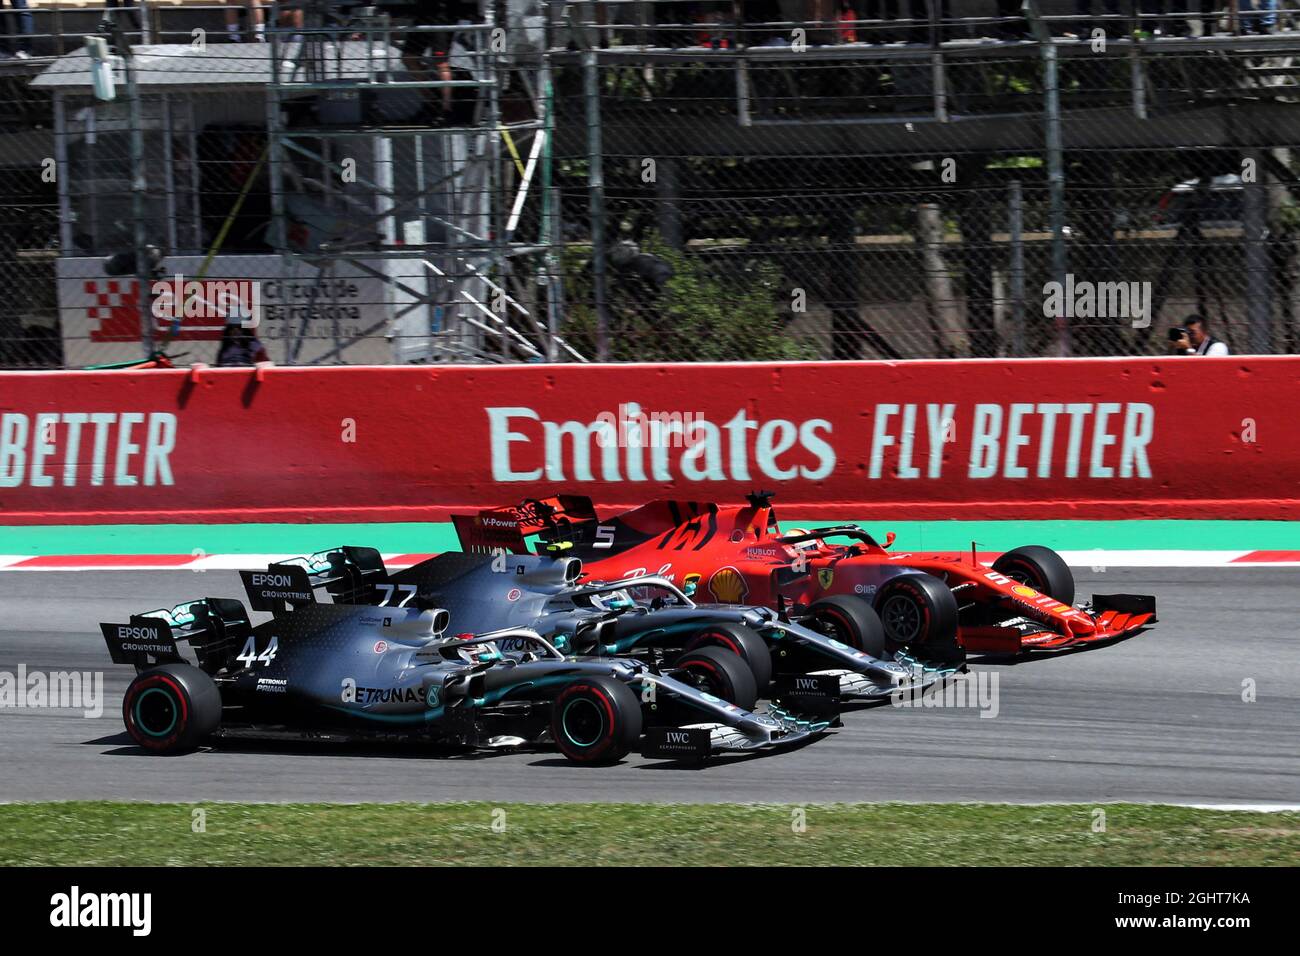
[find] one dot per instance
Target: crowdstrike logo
(76, 909)
(526, 447)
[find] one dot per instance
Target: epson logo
(264, 580)
(126, 633)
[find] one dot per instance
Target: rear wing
(507, 528)
(214, 627)
(351, 575)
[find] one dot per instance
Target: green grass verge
(461, 834)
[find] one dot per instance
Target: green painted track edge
(425, 537)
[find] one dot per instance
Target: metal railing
(686, 181)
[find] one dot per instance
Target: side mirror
(889, 538)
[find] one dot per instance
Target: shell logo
(728, 586)
(1024, 591)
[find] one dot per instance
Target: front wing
(1108, 617)
(864, 678)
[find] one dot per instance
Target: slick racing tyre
(717, 671)
(171, 709)
(917, 611)
(596, 720)
(1041, 568)
(744, 643)
(850, 620)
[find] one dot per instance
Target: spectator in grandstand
(1166, 19)
(709, 27)
(239, 346)
(1193, 338)
(846, 18)
(436, 46)
(1209, 10)
(1261, 16)
(291, 17)
(256, 15)
(17, 45)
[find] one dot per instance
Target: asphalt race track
(1159, 717)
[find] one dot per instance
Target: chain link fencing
(669, 181)
(875, 198)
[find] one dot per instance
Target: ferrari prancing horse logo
(824, 577)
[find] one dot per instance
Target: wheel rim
(1026, 576)
(703, 679)
(156, 712)
(1021, 576)
(836, 629)
(583, 723)
(902, 618)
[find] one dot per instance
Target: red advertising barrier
(1095, 438)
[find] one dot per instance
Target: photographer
(1193, 338)
(240, 346)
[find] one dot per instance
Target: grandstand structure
(620, 180)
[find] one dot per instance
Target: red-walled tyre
(850, 620)
(717, 671)
(918, 611)
(596, 720)
(171, 709)
(744, 643)
(1041, 569)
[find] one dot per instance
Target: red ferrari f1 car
(856, 591)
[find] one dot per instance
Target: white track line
(1098, 559)
(211, 562)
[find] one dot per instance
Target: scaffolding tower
(398, 167)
